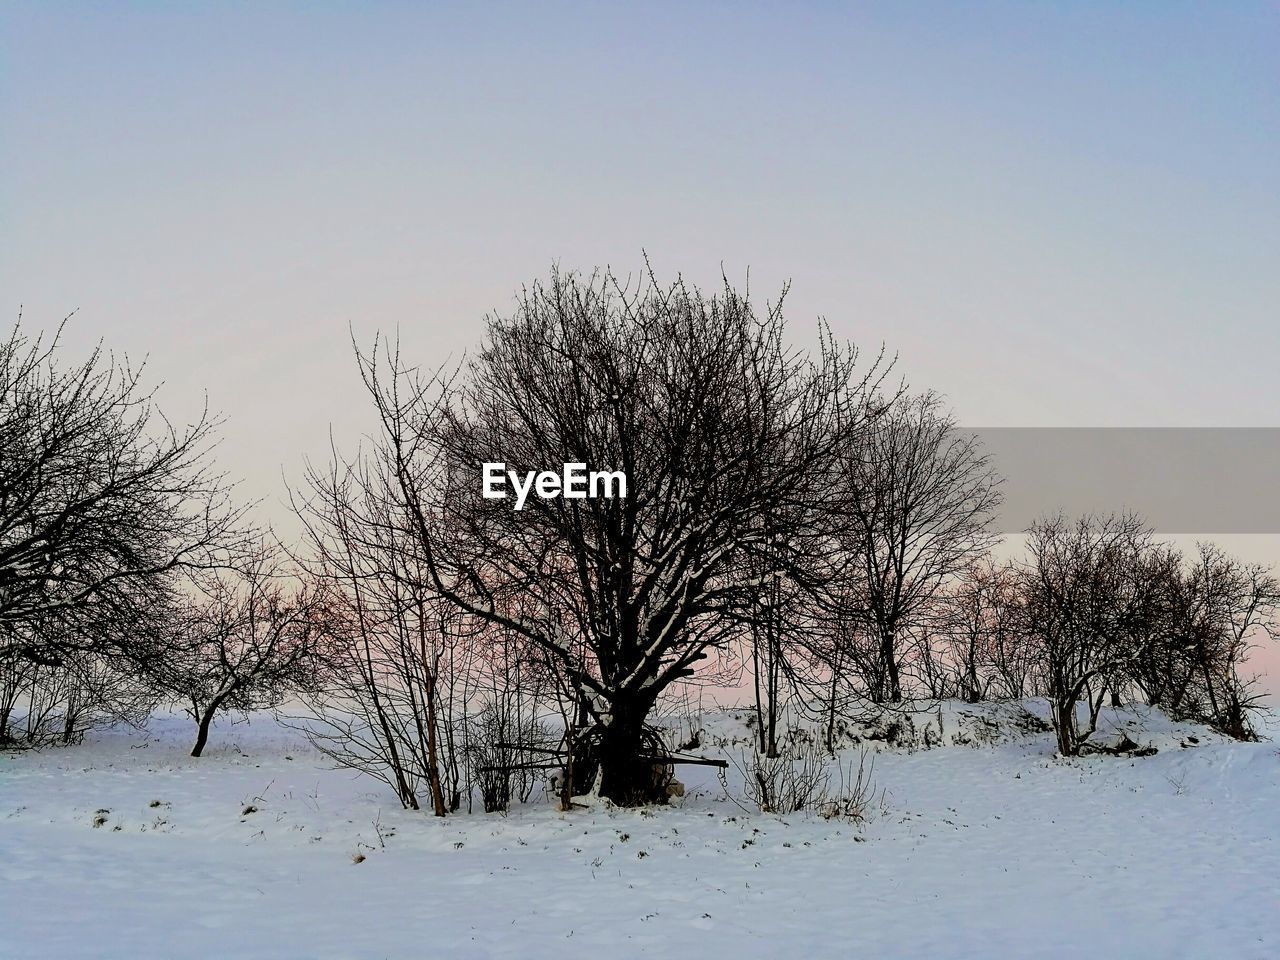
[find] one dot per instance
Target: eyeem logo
(573, 483)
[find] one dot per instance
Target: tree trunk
(433, 764)
(1062, 728)
(755, 676)
(202, 734)
(889, 656)
(973, 694)
(615, 755)
(207, 714)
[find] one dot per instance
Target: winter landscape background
(811, 698)
(977, 851)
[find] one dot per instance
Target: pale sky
(1058, 214)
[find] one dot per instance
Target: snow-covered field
(979, 851)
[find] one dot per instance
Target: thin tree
(917, 496)
(243, 640)
(396, 661)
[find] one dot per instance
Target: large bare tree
(728, 438)
(101, 498)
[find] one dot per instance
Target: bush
(806, 778)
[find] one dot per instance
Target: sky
(1055, 214)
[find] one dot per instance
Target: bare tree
(1234, 605)
(726, 436)
(42, 703)
(1168, 637)
(774, 640)
(917, 496)
(1088, 589)
(983, 628)
(101, 499)
(242, 641)
(399, 665)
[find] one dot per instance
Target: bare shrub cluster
(803, 777)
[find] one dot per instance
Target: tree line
(800, 525)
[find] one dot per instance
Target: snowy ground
(983, 851)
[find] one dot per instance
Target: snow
(983, 849)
